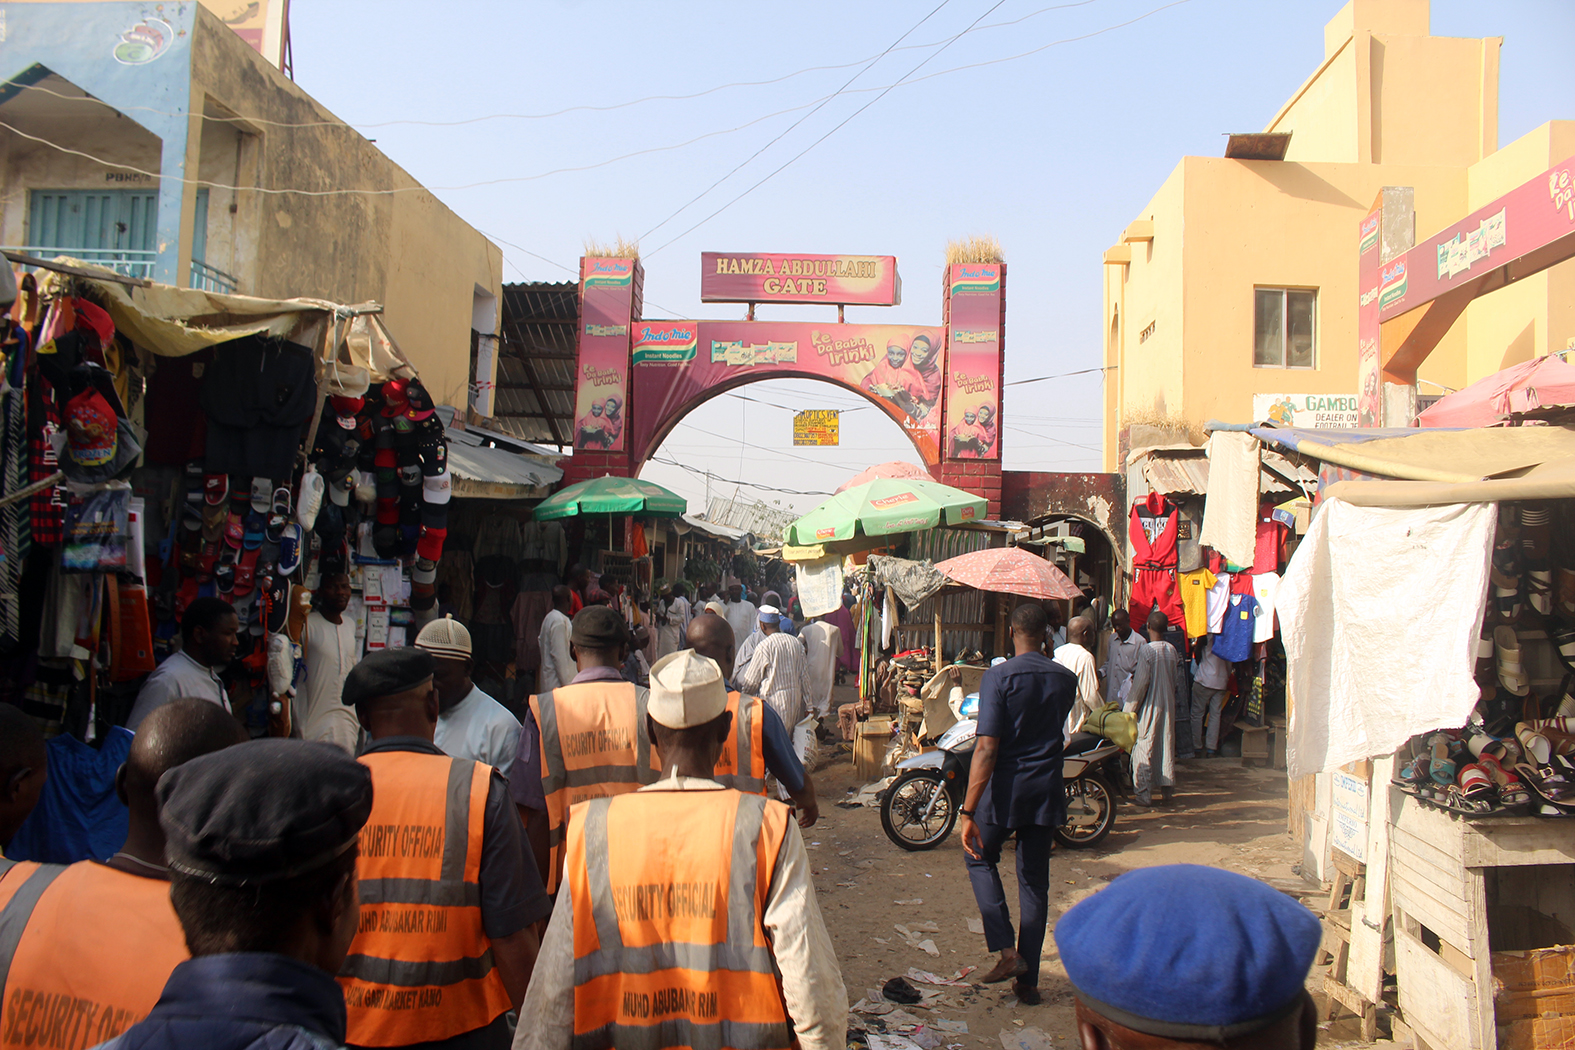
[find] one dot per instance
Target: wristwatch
(967, 813)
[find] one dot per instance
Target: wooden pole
(935, 603)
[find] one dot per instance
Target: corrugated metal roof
(484, 470)
(759, 518)
(711, 528)
(534, 398)
(1176, 473)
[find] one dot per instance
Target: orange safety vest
(593, 744)
(420, 968)
(669, 897)
(85, 951)
(748, 724)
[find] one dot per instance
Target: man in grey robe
(1152, 698)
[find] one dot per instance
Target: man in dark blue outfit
(261, 843)
(1014, 788)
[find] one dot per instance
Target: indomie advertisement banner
(973, 363)
(898, 366)
(607, 290)
(767, 277)
(1369, 391)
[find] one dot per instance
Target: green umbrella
(883, 507)
(610, 495)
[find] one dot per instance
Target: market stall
(1430, 764)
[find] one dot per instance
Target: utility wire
(1062, 375)
(796, 123)
(730, 481)
(818, 141)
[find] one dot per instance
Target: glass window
(1284, 328)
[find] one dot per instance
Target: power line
(1063, 375)
(730, 481)
(795, 124)
(822, 138)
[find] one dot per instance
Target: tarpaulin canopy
(610, 495)
(1520, 388)
(1441, 465)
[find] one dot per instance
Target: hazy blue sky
(1052, 153)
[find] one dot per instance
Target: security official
(261, 842)
(583, 740)
(690, 920)
(445, 948)
(96, 941)
(759, 743)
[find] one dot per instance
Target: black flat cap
(263, 810)
(598, 627)
(386, 672)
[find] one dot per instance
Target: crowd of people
(419, 867)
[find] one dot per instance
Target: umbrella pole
(936, 604)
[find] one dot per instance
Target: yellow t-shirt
(1195, 600)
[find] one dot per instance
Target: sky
(1047, 126)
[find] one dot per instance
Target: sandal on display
(1440, 765)
(1511, 792)
(1511, 672)
(1474, 781)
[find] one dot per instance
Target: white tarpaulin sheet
(1230, 510)
(1379, 610)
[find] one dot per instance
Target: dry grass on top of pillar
(979, 248)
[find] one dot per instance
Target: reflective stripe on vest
(420, 968)
(668, 892)
(610, 753)
(744, 768)
(87, 950)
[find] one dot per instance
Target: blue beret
(265, 810)
(1189, 952)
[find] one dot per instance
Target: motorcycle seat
(1082, 743)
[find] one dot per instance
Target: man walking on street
(1152, 698)
(103, 933)
(759, 743)
(1014, 788)
(470, 723)
(1075, 657)
(580, 741)
(444, 838)
(331, 651)
(557, 661)
(1125, 644)
(778, 673)
(261, 840)
(740, 614)
(1208, 697)
(745, 959)
(209, 631)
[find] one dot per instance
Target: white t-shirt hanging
(1264, 586)
(1217, 601)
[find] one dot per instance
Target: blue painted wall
(100, 48)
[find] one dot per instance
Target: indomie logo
(1369, 237)
(892, 501)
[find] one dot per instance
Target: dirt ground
(1223, 814)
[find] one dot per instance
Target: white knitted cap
(445, 638)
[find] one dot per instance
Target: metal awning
(487, 466)
(711, 528)
(534, 397)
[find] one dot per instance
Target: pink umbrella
(1525, 387)
(1009, 570)
(895, 469)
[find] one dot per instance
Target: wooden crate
(869, 748)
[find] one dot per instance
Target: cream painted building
(1239, 277)
(162, 141)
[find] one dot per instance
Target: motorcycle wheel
(902, 809)
(1093, 803)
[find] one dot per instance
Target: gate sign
(1309, 411)
(816, 426)
(973, 362)
(751, 277)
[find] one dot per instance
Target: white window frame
(1285, 320)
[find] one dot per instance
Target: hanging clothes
(15, 530)
(1153, 530)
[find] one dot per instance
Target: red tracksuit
(1154, 530)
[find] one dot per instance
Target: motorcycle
(920, 807)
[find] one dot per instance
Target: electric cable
(730, 481)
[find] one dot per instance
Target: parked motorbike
(920, 807)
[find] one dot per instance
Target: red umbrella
(895, 469)
(1525, 387)
(1009, 570)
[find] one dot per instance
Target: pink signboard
(767, 277)
(601, 391)
(679, 364)
(973, 362)
(1525, 220)
(1369, 385)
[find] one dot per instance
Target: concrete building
(1239, 277)
(163, 142)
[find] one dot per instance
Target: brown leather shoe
(1027, 994)
(1004, 970)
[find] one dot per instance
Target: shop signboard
(665, 342)
(607, 291)
(1527, 219)
(973, 362)
(768, 277)
(1348, 823)
(876, 360)
(1309, 411)
(816, 426)
(1369, 389)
